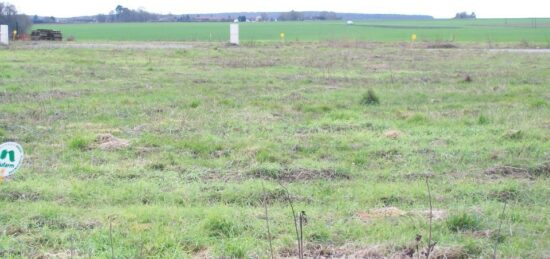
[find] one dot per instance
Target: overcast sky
(436, 8)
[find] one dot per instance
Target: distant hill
(251, 16)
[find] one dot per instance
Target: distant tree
(465, 15)
(291, 16)
(101, 18)
(20, 22)
(264, 16)
(242, 18)
(123, 14)
(327, 16)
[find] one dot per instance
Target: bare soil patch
(108, 142)
(508, 171)
(294, 175)
(381, 213)
(445, 45)
(117, 45)
(330, 251)
(393, 134)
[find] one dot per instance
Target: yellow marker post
(14, 34)
(413, 38)
(282, 36)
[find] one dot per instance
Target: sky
(436, 8)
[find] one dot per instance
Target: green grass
(481, 30)
(208, 125)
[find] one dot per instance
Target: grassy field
(206, 136)
(481, 30)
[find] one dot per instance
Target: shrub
(370, 98)
(463, 222)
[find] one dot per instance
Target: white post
(234, 33)
(4, 35)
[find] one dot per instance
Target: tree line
(465, 15)
(15, 21)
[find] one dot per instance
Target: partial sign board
(11, 156)
(234, 33)
(4, 35)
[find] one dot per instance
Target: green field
(214, 131)
(481, 30)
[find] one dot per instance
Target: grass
(520, 31)
(208, 125)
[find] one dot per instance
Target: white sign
(4, 35)
(11, 156)
(234, 33)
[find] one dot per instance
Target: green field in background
(481, 30)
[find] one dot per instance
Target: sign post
(4, 35)
(11, 156)
(234, 34)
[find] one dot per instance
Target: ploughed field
(176, 153)
(487, 31)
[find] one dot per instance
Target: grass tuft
(220, 225)
(79, 143)
(463, 222)
(370, 98)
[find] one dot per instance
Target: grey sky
(437, 8)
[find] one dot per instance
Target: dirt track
(101, 45)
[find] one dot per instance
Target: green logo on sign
(11, 156)
(5, 153)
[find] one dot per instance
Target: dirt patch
(330, 251)
(13, 97)
(19, 196)
(439, 143)
(437, 214)
(108, 142)
(393, 134)
(118, 45)
(381, 213)
(59, 255)
(508, 171)
(15, 231)
(521, 50)
(295, 175)
(445, 45)
(452, 252)
(542, 170)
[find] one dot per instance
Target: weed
(370, 98)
